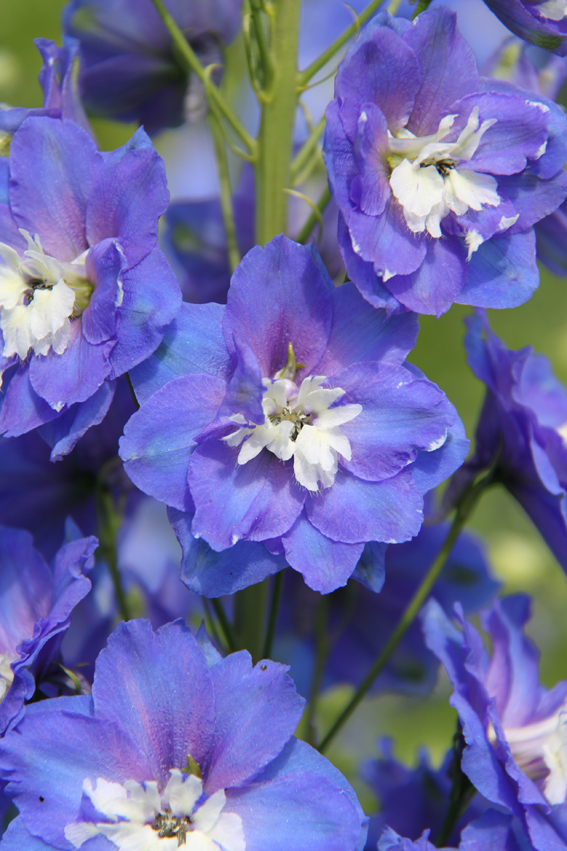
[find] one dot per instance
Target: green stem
(109, 522)
(321, 653)
(230, 639)
(265, 58)
(275, 138)
(273, 614)
(307, 228)
(210, 623)
(249, 619)
(190, 61)
(464, 508)
(225, 193)
(304, 76)
(307, 150)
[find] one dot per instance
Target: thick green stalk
(279, 104)
(277, 589)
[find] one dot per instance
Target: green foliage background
(520, 558)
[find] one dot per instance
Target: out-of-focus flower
(520, 433)
(166, 752)
(490, 832)
(36, 604)
(541, 22)
(297, 371)
(360, 620)
(130, 71)
(85, 293)
(515, 730)
(439, 176)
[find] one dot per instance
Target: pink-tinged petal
(53, 166)
(254, 502)
(324, 564)
(280, 295)
(167, 723)
(352, 510)
(248, 700)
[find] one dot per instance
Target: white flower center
(299, 422)
(554, 10)
(38, 297)
(138, 816)
(429, 178)
(540, 750)
(6, 673)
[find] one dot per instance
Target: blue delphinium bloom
(36, 603)
(520, 433)
(85, 293)
(129, 68)
(541, 22)
(514, 729)
(439, 173)
(361, 621)
(165, 753)
(288, 424)
(490, 832)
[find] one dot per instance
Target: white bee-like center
(38, 297)
(6, 673)
(430, 177)
(299, 422)
(553, 10)
(139, 816)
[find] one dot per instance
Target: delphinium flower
(85, 293)
(166, 753)
(541, 22)
(514, 729)
(360, 621)
(520, 433)
(287, 424)
(439, 173)
(38, 495)
(130, 71)
(491, 832)
(36, 604)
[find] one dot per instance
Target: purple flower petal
(324, 564)
(437, 283)
(104, 265)
(502, 272)
(53, 166)
(256, 501)
(63, 433)
(159, 438)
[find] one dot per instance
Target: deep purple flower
(439, 174)
(167, 746)
(541, 22)
(515, 730)
(130, 71)
(287, 424)
(360, 620)
(520, 432)
(36, 603)
(85, 293)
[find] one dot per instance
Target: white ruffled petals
(429, 181)
(139, 818)
(38, 297)
(299, 423)
(553, 10)
(6, 673)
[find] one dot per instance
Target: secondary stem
(277, 589)
(464, 508)
(309, 72)
(225, 193)
(187, 56)
(109, 521)
(249, 618)
(313, 219)
(279, 104)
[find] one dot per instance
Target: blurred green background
(520, 558)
